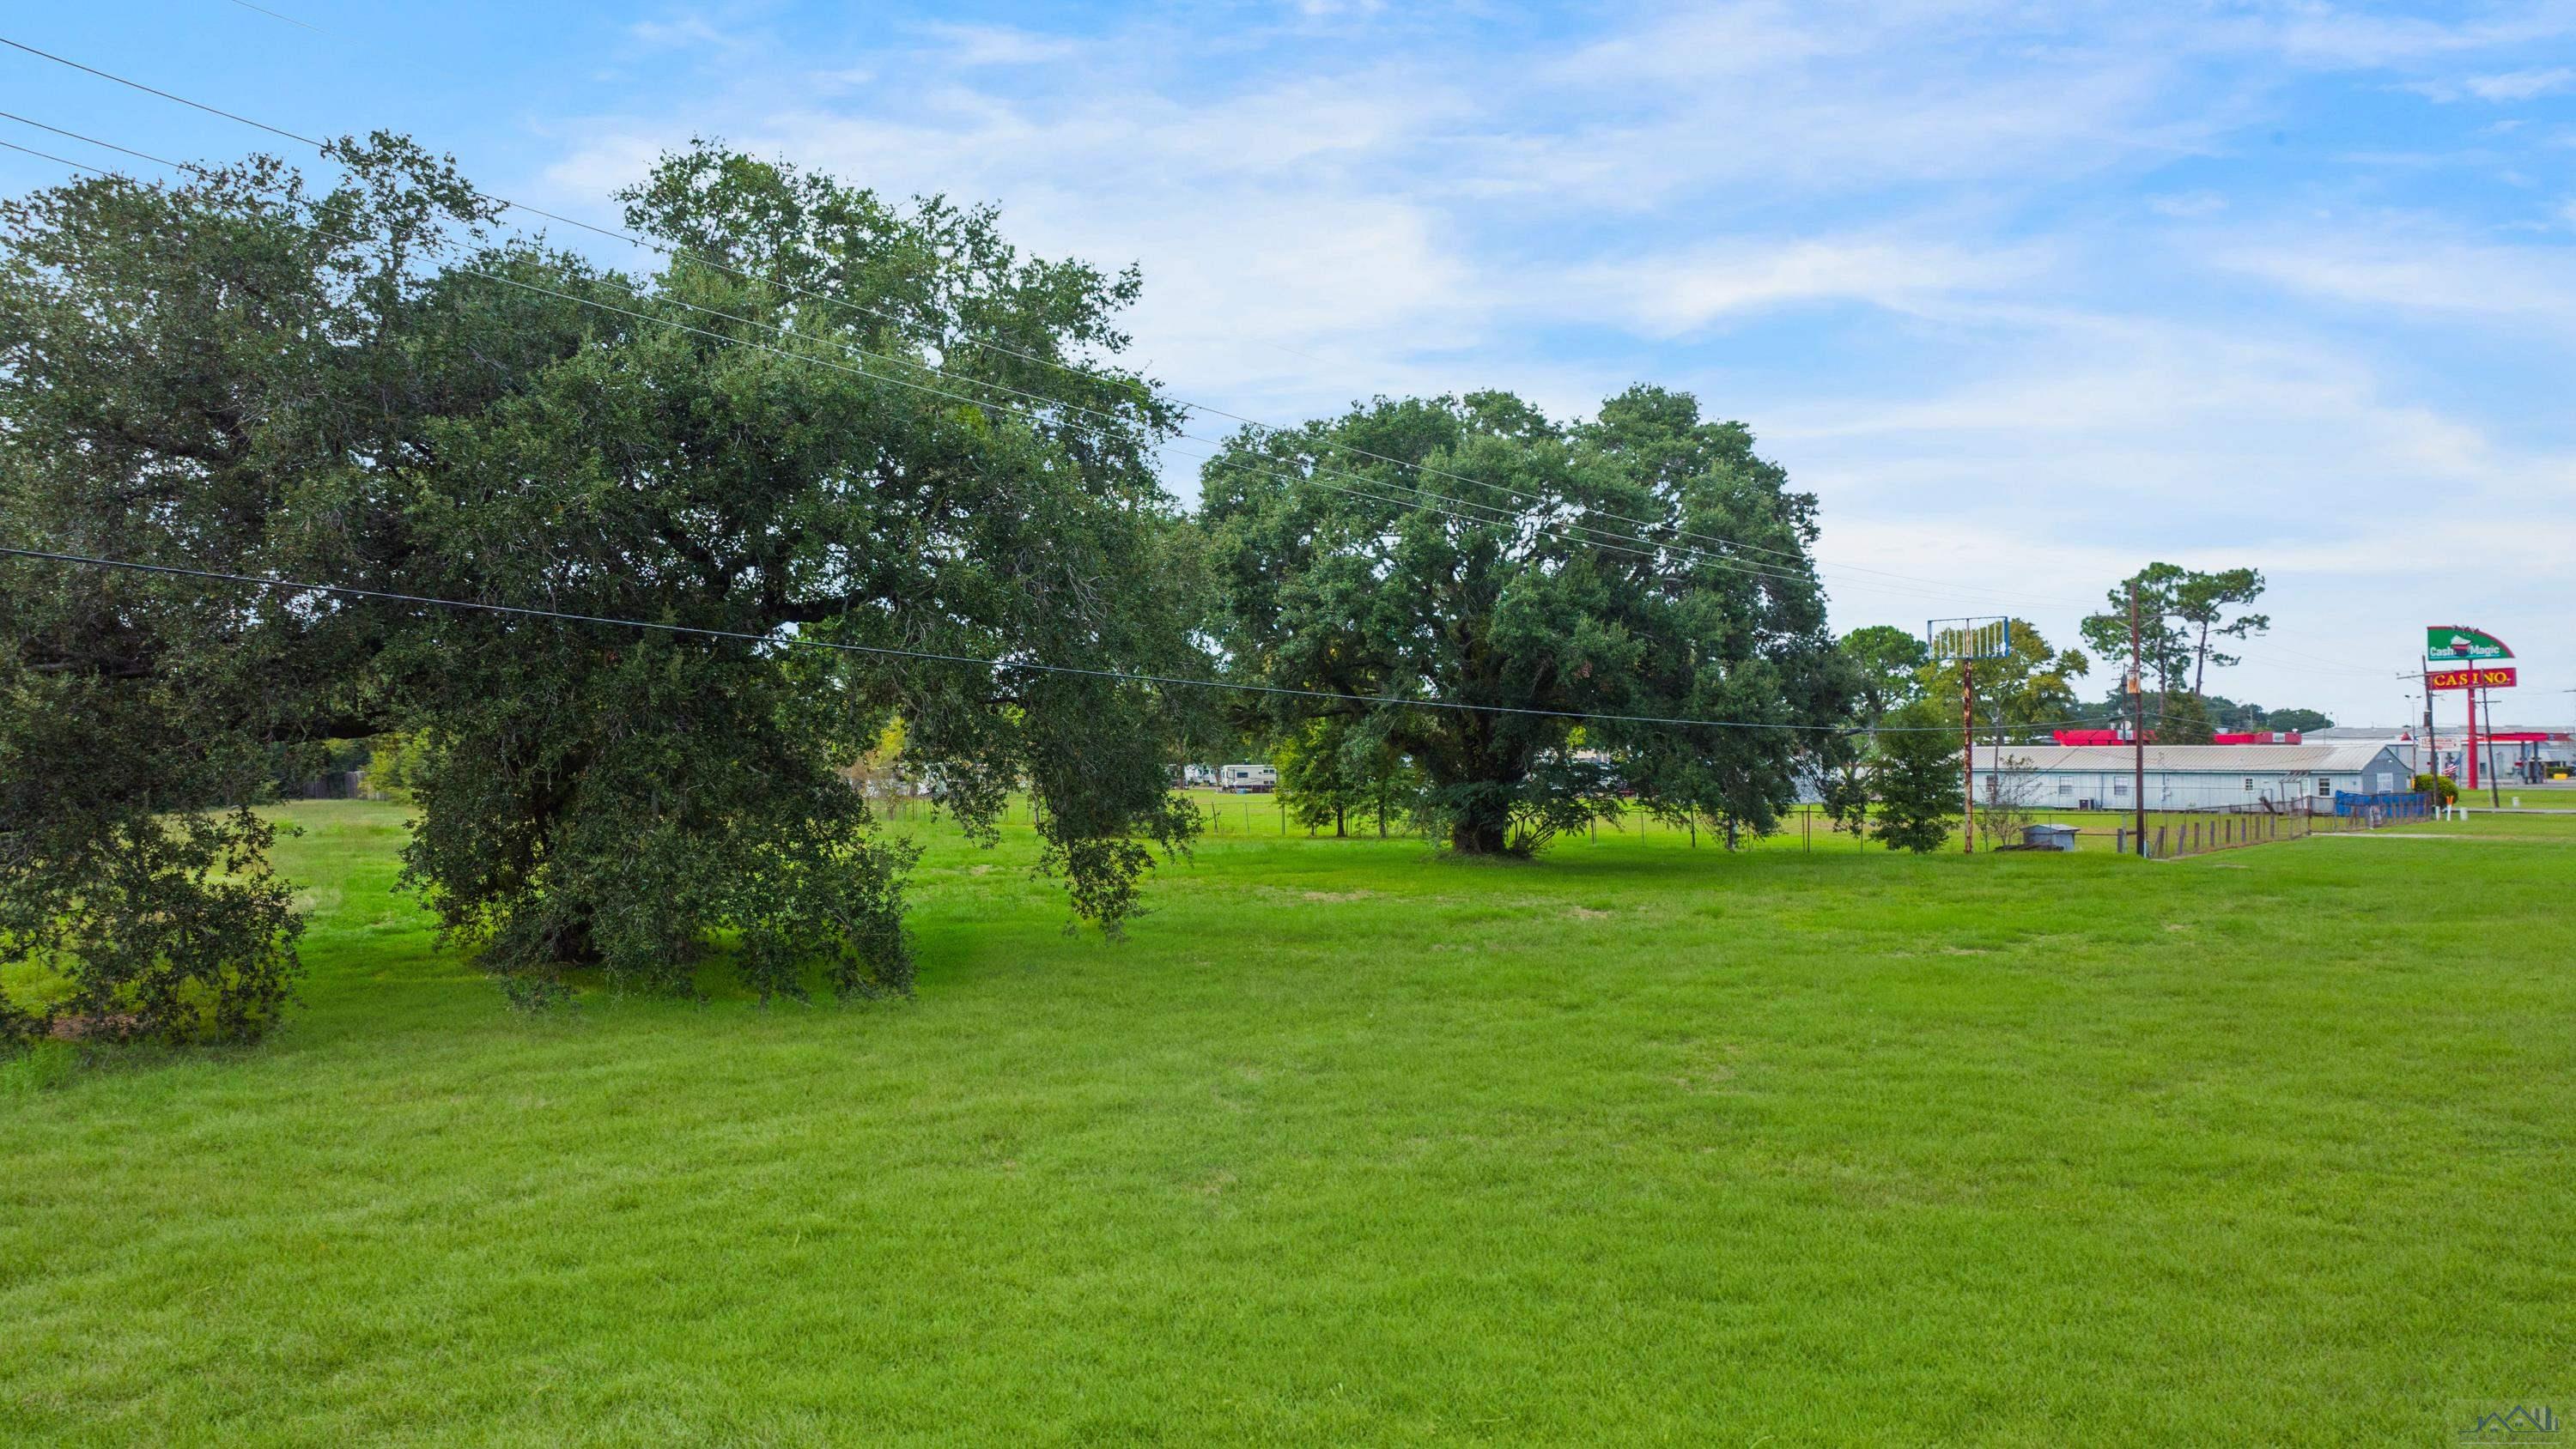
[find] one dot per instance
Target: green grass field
(1352, 1143)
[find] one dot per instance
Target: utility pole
(1968, 754)
(2428, 760)
(2495, 787)
(2137, 722)
(2469, 746)
(1967, 641)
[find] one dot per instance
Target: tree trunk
(1338, 831)
(570, 943)
(1479, 837)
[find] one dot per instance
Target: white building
(2190, 777)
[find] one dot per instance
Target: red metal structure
(2239, 737)
(2472, 751)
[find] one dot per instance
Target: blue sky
(2026, 293)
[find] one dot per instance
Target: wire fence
(2169, 834)
(2173, 834)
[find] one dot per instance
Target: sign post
(2465, 651)
(2469, 755)
(2495, 787)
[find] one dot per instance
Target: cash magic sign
(2458, 643)
(2493, 677)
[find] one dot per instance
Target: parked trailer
(1247, 779)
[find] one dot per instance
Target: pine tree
(1916, 777)
(2182, 719)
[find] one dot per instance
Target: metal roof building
(2187, 777)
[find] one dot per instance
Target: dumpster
(2048, 837)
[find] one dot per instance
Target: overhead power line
(157, 91)
(305, 586)
(1416, 501)
(1581, 535)
(1641, 548)
(273, 15)
(666, 250)
(1807, 567)
(50, 156)
(93, 141)
(1945, 589)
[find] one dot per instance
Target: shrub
(1916, 778)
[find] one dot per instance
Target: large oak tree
(1531, 577)
(363, 386)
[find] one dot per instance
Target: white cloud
(1272, 275)
(1701, 45)
(2519, 85)
(1830, 100)
(2318, 34)
(1679, 293)
(991, 45)
(2417, 272)
(682, 31)
(2188, 205)
(692, 31)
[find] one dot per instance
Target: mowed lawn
(1351, 1143)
